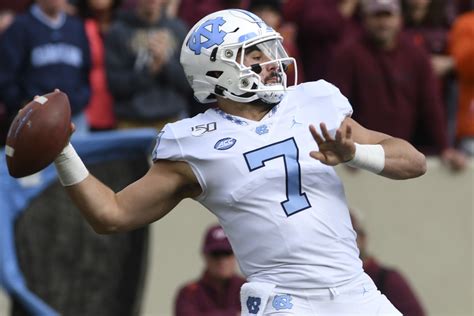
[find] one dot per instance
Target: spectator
(8, 9)
(217, 291)
(427, 22)
(98, 16)
(45, 49)
(388, 280)
(270, 11)
(191, 11)
(391, 85)
(462, 50)
(143, 69)
(322, 26)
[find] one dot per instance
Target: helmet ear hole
(214, 74)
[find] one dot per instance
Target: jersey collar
(242, 121)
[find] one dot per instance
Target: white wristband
(71, 169)
(368, 157)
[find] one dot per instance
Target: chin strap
(236, 98)
(271, 97)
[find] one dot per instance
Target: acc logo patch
(207, 35)
(225, 143)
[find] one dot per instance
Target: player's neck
(250, 111)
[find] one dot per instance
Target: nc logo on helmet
(207, 35)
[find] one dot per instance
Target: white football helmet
(213, 54)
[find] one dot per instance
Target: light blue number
(296, 200)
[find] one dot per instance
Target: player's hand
(333, 151)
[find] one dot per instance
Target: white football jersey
(284, 212)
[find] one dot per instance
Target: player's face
(221, 265)
(260, 56)
(270, 72)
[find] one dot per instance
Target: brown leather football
(38, 134)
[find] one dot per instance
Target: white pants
(360, 297)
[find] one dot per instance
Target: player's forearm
(97, 203)
(402, 160)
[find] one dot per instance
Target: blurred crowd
(405, 65)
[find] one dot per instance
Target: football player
(261, 161)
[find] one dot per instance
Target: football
(38, 134)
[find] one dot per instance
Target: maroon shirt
(203, 298)
(321, 28)
(391, 283)
(393, 92)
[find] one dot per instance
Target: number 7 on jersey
(296, 200)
